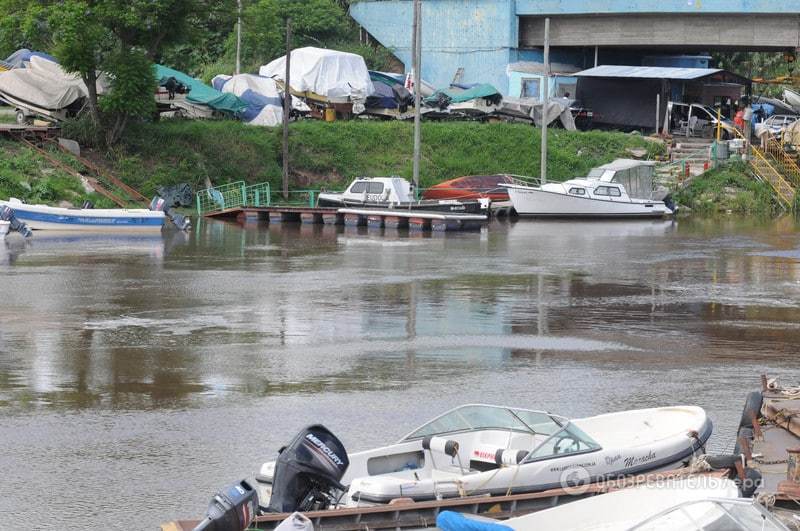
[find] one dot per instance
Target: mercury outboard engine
(7, 214)
(308, 471)
(231, 509)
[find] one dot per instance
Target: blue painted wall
(477, 35)
(577, 7)
(481, 36)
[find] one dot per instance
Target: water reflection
(167, 360)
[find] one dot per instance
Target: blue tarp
(453, 521)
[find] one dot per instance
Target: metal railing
(305, 198)
(790, 169)
(232, 195)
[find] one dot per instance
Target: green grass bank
(729, 189)
(331, 154)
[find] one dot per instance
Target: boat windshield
(482, 417)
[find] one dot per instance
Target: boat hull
(457, 207)
(534, 202)
(42, 217)
(471, 187)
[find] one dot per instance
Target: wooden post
(658, 112)
(287, 107)
(545, 98)
(416, 66)
(239, 38)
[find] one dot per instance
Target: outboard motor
(307, 471)
(180, 221)
(7, 214)
(231, 509)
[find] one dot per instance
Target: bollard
(793, 465)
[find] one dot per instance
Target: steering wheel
(572, 442)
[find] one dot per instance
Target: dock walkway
(252, 203)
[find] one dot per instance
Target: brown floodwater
(138, 375)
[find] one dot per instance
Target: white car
(775, 124)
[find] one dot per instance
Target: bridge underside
(685, 32)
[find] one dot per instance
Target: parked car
(775, 124)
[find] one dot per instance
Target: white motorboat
(482, 449)
(4, 226)
(678, 504)
(590, 198)
(395, 192)
(622, 189)
(43, 217)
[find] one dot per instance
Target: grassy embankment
(330, 155)
(729, 189)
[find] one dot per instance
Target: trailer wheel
(22, 119)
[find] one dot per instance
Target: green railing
(296, 198)
(232, 195)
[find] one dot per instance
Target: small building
(625, 96)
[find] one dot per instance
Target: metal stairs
(772, 165)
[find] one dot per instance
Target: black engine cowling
(307, 470)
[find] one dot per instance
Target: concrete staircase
(689, 157)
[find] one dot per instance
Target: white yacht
(605, 193)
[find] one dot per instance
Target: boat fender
(509, 457)
(752, 409)
(440, 444)
(752, 480)
(721, 462)
(453, 521)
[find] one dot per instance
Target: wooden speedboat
(395, 192)
(43, 217)
(481, 449)
(471, 187)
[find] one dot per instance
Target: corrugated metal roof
(647, 72)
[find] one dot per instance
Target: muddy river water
(138, 375)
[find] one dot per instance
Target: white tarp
(261, 95)
(328, 73)
(44, 84)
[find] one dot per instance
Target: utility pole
(416, 51)
(239, 38)
(546, 98)
(287, 107)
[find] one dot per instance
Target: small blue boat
(43, 217)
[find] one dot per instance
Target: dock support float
(395, 222)
(417, 223)
(311, 217)
(355, 220)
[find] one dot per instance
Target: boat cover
(389, 93)
(200, 93)
(460, 95)
(453, 521)
(328, 73)
(21, 57)
(260, 94)
(44, 84)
